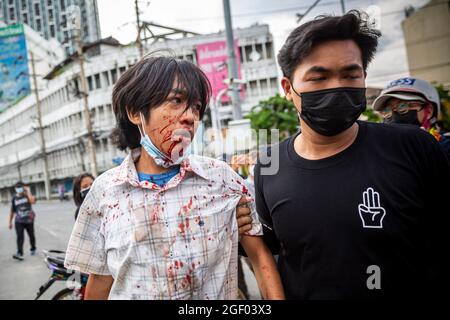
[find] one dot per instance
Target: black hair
(353, 25)
(19, 184)
(77, 187)
(146, 85)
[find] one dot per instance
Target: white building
(62, 108)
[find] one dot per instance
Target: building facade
(62, 108)
(427, 39)
(50, 19)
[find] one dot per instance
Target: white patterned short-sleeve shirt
(178, 241)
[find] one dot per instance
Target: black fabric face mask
(331, 111)
(83, 193)
(407, 118)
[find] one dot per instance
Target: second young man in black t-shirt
(352, 207)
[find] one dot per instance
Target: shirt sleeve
(13, 207)
(269, 237)
(238, 185)
(86, 249)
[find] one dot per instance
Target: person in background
(24, 215)
(412, 101)
(61, 192)
(81, 186)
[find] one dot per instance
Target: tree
(370, 115)
(444, 96)
(275, 113)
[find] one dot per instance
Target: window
(12, 14)
(98, 83)
(100, 113)
(105, 76)
(25, 18)
(269, 50)
(122, 70)
(273, 83)
(50, 15)
(37, 9)
(105, 145)
(63, 21)
(24, 4)
(49, 3)
(62, 4)
(248, 51)
(264, 86)
(91, 87)
(38, 25)
(253, 88)
(259, 50)
(114, 76)
(52, 31)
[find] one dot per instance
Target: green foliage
(444, 95)
(371, 115)
(275, 113)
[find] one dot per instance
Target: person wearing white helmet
(411, 101)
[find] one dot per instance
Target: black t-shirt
(21, 206)
(372, 216)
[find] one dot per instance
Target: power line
(265, 12)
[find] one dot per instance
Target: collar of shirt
(127, 173)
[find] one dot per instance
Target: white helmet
(409, 89)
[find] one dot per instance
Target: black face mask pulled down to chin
(332, 111)
(408, 118)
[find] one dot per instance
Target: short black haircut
(19, 184)
(146, 85)
(353, 25)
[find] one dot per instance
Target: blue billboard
(14, 75)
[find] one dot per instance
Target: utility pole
(84, 89)
(138, 26)
(232, 65)
(19, 167)
(300, 16)
(40, 129)
(343, 6)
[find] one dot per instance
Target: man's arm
(11, 218)
(11, 214)
(31, 198)
(98, 287)
(264, 266)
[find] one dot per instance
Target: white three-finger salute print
(371, 211)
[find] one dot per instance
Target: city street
(54, 221)
(22, 279)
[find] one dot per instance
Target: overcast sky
(118, 19)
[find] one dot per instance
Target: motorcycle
(54, 259)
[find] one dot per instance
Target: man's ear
(286, 84)
(429, 111)
(134, 117)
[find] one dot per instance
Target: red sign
(212, 58)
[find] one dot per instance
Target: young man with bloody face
(163, 225)
(352, 210)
